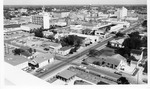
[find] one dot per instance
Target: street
(70, 59)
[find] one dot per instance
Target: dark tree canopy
(96, 63)
(144, 24)
(71, 40)
(17, 51)
(38, 33)
(132, 43)
(145, 67)
(108, 44)
(144, 41)
(119, 34)
(134, 35)
(122, 80)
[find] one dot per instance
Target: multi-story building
(121, 13)
(42, 19)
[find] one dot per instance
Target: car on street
(41, 70)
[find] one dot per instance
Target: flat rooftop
(32, 26)
(66, 74)
(15, 59)
(65, 48)
(12, 26)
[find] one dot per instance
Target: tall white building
(42, 19)
(121, 13)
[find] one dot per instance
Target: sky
(71, 2)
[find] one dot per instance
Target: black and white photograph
(75, 42)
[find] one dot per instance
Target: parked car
(41, 70)
(27, 69)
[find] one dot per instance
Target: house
(117, 43)
(47, 33)
(91, 37)
(40, 59)
(64, 50)
(100, 33)
(138, 54)
(116, 61)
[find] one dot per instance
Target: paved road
(69, 60)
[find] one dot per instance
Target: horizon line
(77, 4)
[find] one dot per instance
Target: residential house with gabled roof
(116, 61)
(117, 43)
(138, 54)
(41, 59)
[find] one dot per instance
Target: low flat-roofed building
(64, 50)
(60, 23)
(116, 28)
(76, 27)
(12, 27)
(7, 22)
(124, 23)
(131, 18)
(66, 75)
(29, 27)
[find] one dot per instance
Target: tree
(56, 40)
(123, 51)
(144, 24)
(122, 80)
(38, 33)
(71, 40)
(30, 50)
(134, 35)
(145, 67)
(55, 32)
(108, 44)
(17, 51)
(119, 34)
(132, 43)
(144, 41)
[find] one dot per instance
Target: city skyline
(76, 2)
